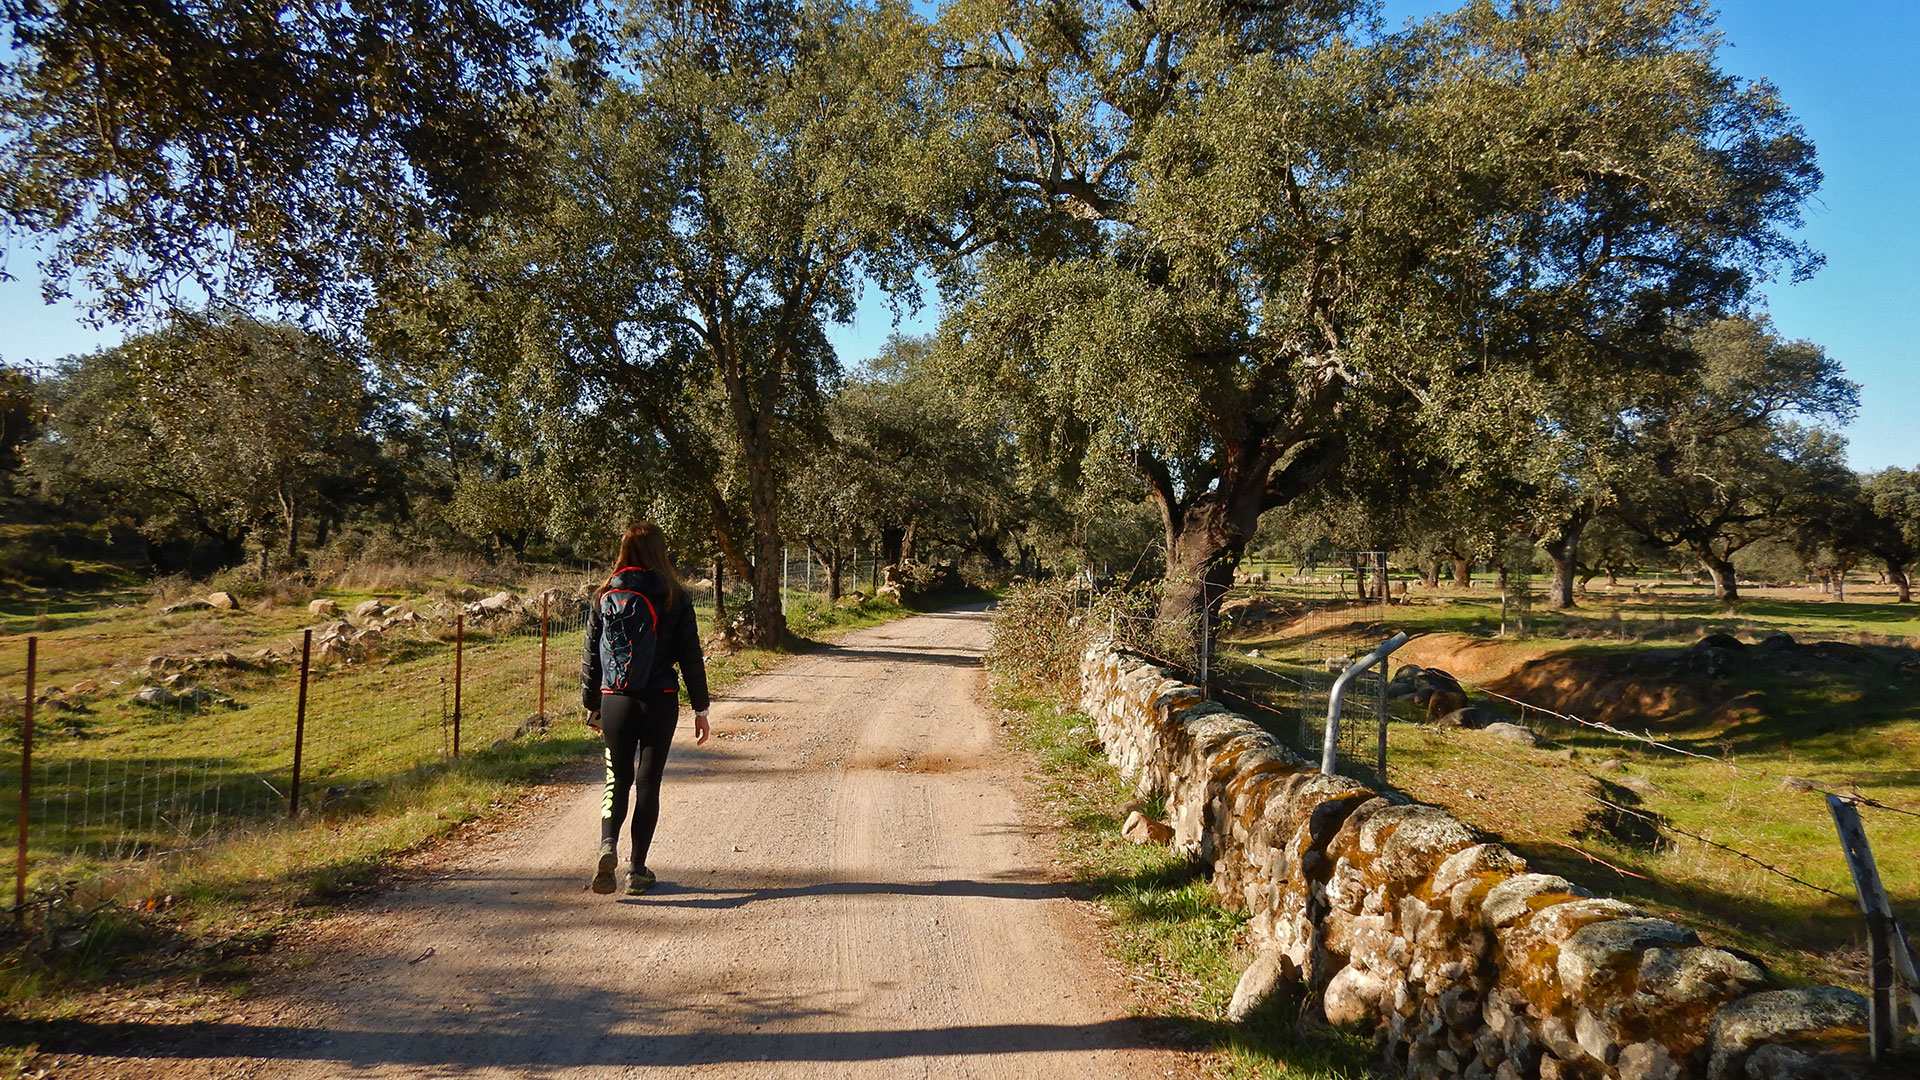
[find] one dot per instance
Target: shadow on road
(721, 897)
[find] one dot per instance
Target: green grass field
(1849, 724)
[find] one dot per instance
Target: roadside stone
(1352, 996)
(222, 601)
(1270, 974)
(368, 609)
(323, 608)
(1142, 829)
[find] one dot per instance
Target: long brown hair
(645, 546)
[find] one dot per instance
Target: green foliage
(216, 427)
(244, 146)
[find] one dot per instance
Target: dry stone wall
(1460, 959)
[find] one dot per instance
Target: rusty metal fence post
(459, 656)
(542, 711)
(26, 784)
(300, 723)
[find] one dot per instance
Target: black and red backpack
(629, 625)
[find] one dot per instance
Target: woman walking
(641, 626)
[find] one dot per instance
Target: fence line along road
(214, 744)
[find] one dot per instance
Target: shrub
(1039, 636)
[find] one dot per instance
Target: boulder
(195, 603)
(1513, 733)
(323, 608)
(1816, 1014)
(499, 601)
(1353, 996)
(1473, 716)
(1781, 642)
(1270, 974)
(1720, 641)
(1142, 829)
(368, 609)
(222, 601)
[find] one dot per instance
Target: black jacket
(679, 643)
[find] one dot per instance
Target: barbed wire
(1658, 823)
(1805, 784)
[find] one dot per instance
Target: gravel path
(849, 887)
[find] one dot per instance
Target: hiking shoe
(603, 871)
(639, 880)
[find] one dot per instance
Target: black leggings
(638, 731)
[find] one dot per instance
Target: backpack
(629, 632)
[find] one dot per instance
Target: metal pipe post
(1331, 743)
(459, 651)
(544, 600)
(300, 723)
(26, 783)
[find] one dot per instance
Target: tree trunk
(1430, 573)
(1565, 554)
(719, 592)
(1201, 560)
(1462, 573)
(1725, 586)
(1839, 585)
(1898, 574)
(834, 559)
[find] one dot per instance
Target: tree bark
(834, 560)
(1430, 573)
(1901, 582)
(1564, 551)
(719, 592)
(1462, 573)
(1725, 585)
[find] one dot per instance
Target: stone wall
(1394, 916)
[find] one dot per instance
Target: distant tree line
(496, 275)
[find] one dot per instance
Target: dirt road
(849, 888)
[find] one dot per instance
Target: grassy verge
(1186, 950)
(194, 920)
(1841, 725)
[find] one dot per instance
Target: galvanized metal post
(544, 600)
(1882, 931)
(26, 783)
(300, 723)
(459, 651)
(1330, 745)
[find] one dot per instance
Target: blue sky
(1845, 70)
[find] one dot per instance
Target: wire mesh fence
(162, 755)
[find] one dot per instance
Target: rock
(1781, 642)
(499, 601)
(368, 609)
(1778, 1016)
(1838, 652)
(1511, 733)
(1647, 1061)
(194, 604)
(1142, 829)
(1720, 641)
(1715, 662)
(1271, 973)
(323, 608)
(1639, 785)
(1352, 996)
(1593, 954)
(1253, 654)
(222, 601)
(152, 695)
(1473, 716)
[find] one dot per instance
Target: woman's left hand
(701, 729)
